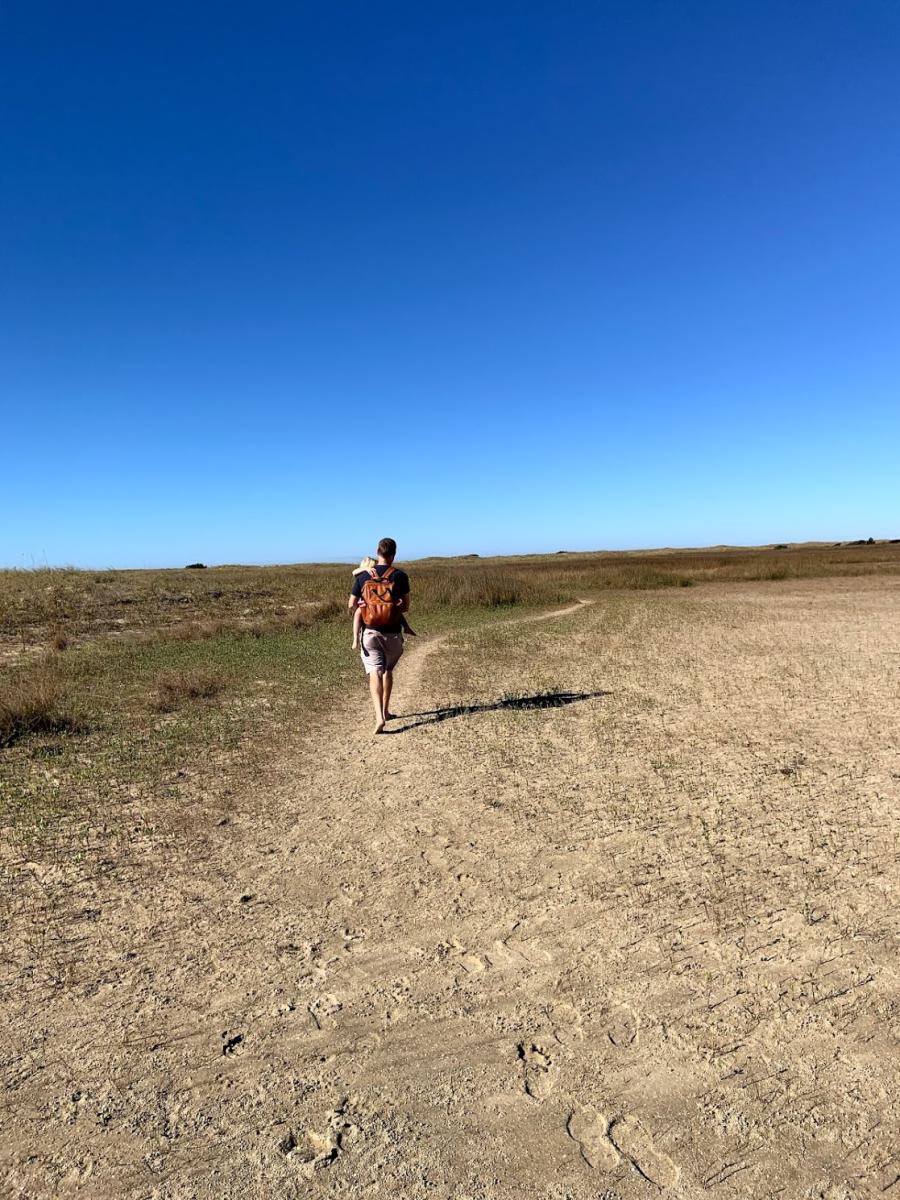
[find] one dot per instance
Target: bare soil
(638, 939)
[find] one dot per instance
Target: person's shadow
(549, 699)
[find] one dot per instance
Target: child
(366, 564)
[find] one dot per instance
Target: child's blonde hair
(365, 564)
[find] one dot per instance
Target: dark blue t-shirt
(399, 589)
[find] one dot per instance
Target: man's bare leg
(376, 690)
(388, 687)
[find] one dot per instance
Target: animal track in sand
(231, 1042)
(503, 958)
(453, 951)
(589, 1128)
(434, 858)
(539, 1068)
(324, 1010)
(630, 1137)
(351, 936)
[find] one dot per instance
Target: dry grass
(468, 586)
(174, 688)
(32, 704)
(40, 608)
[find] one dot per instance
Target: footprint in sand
(630, 1137)
(622, 1026)
(472, 964)
(588, 1128)
(307, 1148)
(566, 1022)
(539, 1069)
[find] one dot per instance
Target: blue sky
(278, 279)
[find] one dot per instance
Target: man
(384, 606)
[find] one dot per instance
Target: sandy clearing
(639, 943)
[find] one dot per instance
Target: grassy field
(140, 692)
(58, 606)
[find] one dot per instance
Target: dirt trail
(417, 653)
(279, 1000)
(575, 953)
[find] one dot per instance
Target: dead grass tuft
(327, 610)
(174, 688)
(316, 614)
(33, 704)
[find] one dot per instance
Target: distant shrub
(31, 705)
(780, 546)
(195, 567)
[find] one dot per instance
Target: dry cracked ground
(640, 941)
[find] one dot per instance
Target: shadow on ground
(539, 700)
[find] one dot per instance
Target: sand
(639, 943)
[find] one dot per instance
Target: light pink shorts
(380, 651)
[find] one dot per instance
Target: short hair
(387, 548)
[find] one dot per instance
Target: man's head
(387, 549)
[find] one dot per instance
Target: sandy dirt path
(637, 943)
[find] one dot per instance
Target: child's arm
(403, 605)
(357, 624)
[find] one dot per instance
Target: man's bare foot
(380, 727)
(390, 716)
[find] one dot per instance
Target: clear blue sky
(278, 279)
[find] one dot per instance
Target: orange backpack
(377, 600)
